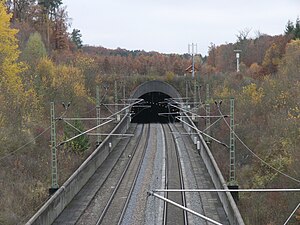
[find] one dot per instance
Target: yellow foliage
(253, 93)
(46, 71)
(70, 80)
(270, 81)
(16, 102)
(170, 76)
(290, 65)
(294, 113)
(79, 90)
(281, 99)
(65, 81)
(223, 93)
(255, 69)
(9, 53)
(272, 57)
(84, 62)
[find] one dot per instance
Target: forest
(41, 61)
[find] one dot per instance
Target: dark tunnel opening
(154, 109)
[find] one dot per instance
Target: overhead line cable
(212, 124)
(253, 153)
(29, 142)
(23, 146)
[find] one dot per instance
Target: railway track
(173, 180)
(115, 207)
(196, 177)
(156, 156)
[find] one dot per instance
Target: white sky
(168, 26)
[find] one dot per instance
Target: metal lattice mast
(116, 101)
(199, 99)
(98, 112)
(116, 96)
(195, 92)
(186, 93)
(54, 175)
(193, 51)
(124, 93)
(207, 109)
(232, 143)
(193, 73)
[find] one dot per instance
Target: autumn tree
(18, 105)
(90, 70)
(20, 9)
(10, 82)
(290, 64)
(106, 65)
(60, 37)
(274, 53)
(211, 60)
(54, 20)
(272, 59)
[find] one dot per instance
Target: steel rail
(180, 174)
(166, 177)
(135, 178)
(104, 212)
(127, 143)
(189, 156)
(84, 118)
(184, 208)
(227, 190)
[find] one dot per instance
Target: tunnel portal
(154, 109)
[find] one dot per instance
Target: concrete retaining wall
(226, 199)
(63, 196)
(56, 204)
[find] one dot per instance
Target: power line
(212, 124)
(201, 132)
(32, 140)
(23, 146)
(253, 153)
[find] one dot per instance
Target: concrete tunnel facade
(154, 108)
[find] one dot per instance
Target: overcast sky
(168, 26)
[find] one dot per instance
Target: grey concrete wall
(226, 199)
(63, 196)
(155, 86)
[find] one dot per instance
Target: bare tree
(243, 34)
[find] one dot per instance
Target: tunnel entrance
(154, 109)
